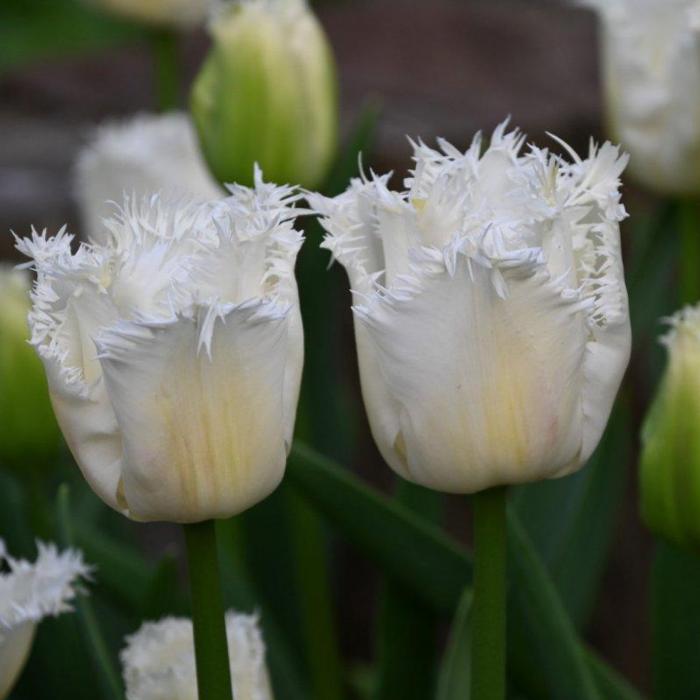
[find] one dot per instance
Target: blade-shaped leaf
(454, 682)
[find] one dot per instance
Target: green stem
(167, 69)
(489, 613)
(211, 648)
(689, 225)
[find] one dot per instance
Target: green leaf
(407, 626)
(675, 623)
(437, 570)
(95, 645)
(555, 648)
(407, 548)
(585, 507)
(454, 682)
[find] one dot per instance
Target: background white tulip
(158, 660)
(168, 13)
(138, 156)
(28, 593)
(491, 312)
(651, 75)
(174, 351)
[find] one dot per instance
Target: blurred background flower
(158, 660)
(30, 592)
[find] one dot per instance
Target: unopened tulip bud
(30, 592)
(267, 94)
(491, 313)
(670, 462)
(166, 13)
(651, 76)
(29, 435)
(159, 661)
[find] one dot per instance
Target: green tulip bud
(267, 94)
(29, 435)
(670, 463)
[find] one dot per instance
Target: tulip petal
(494, 383)
(200, 405)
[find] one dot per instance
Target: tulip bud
(159, 663)
(174, 350)
(166, 13)
(670, 461)
(267, 94)
(491, 313)
(651, 76)
(139, 156)
(29, 436)
(28, 593)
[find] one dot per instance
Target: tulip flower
(267, 94)
(491, 312)
(670, 461)
(651, 76)
(138, 156)
(492, 329)
(173, 350)
(28, 593)
(29, 435)
(159, 662)
(168, 13)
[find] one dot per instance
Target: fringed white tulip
(138, 156)
(490, 309)
(182, 14)
(174, 350)
(651, 74)
(159, 662)
(28, 593)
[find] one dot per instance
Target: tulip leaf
(407, 548)
(437, 569)
(585, 507)
(555, 648)
(675, 623)
(454, 682)
(407, 626)
(95, 644)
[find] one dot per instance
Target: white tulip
(138, 156)
(29, 593)
(651, 73)
(174, 351)
(490, 309)
(158, 660)
(182, 14)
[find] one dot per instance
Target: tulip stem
(211, 648)
(488, 656)
(167, 68)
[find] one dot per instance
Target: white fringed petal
(174, 350)
(490, 309)
(28, 593)
(139, 156)
(158, 660)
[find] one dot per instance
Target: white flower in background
(182, 14)
(491, 313)
(651, 73)
(138, 156)
(174, 350)
(29, 593)
(158, 660)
